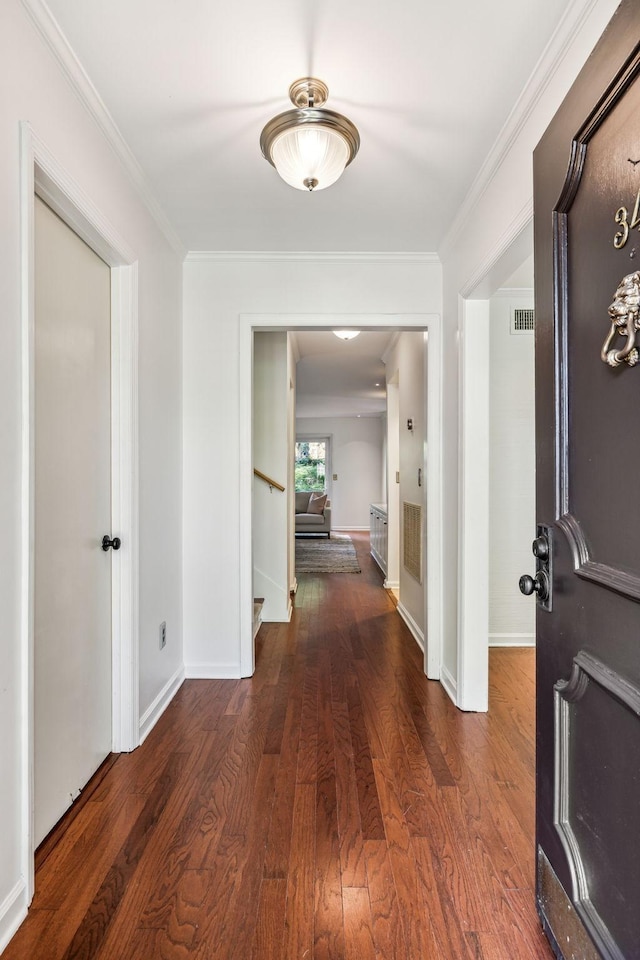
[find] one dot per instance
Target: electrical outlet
(163, 634)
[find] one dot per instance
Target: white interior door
(72, 616)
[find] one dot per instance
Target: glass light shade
(311, 154)
(346, 334)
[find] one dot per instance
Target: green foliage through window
(310, 468)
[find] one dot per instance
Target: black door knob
(538, 585)
(106, 542)
(540, 548)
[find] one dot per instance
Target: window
(312, 464)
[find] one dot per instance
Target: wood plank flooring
(336, 805)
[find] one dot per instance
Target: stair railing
(272, 483)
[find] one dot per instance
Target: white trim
(246, 650)
(13, 910)
(520, 222)
(350, 526)
(545, 69)
(155, 710)
(512, 639)
(473, 506)
(124, 506)
(293, 589)
(76, 75)
(391, 585)
(450, 685)
(434, 589)
(414, 629)
(41, 173)
(276, 619)
(203, 670)
(317, 256)
(513, 293)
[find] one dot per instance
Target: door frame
(471, 690)
(42, 174)
(432, 466)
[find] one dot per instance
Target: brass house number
(622, 218)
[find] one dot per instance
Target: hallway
(336, 805)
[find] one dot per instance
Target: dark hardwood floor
(336, 805)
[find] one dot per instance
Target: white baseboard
(391, 584)
(212, 671)
(293, 589)
(418, 634)
(350, 527)
(13, 910)
(153, 713)
(449, 684)
(282, 616)
(512, 639)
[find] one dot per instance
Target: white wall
(356, 457)
(405, 368)
(35, 90)
(272, 456)
(393, 486)
(217, 290)
(511, 472)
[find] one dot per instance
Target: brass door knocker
(624, 314)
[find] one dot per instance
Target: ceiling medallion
(309, 146)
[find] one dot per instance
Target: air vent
(522, 321)
(412, 539)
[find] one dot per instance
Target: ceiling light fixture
(309, 146)
(346, 334)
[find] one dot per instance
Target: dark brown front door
(587, 264)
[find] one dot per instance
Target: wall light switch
(397, 476)
(335, 476)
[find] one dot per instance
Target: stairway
(258, 604)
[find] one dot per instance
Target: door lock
(106, 543)
(541, 582)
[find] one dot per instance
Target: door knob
(106, 543)
(538, 585)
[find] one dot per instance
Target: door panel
(588, 456)
(72, 511)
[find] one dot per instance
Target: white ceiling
(191, 83)
(341, 378)
(429, 84)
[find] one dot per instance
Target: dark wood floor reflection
(336, 805)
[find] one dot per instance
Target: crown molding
(513, 293)
(517, 224)
(295, 346)
(266, 256)
(77, 77)
(545, 69)
(395, 336)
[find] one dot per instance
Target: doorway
(472, 688)
(430, 322)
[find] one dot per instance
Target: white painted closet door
(72, 512)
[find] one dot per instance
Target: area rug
(337, 555)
